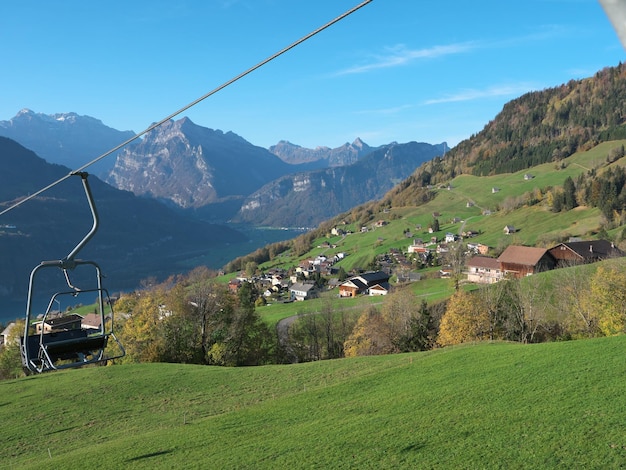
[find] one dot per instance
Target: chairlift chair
(58, 342)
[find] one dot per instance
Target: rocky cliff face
(192, 166)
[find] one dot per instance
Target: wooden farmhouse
(567, 254)
(519, 261)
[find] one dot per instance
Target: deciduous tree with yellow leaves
(465, 320)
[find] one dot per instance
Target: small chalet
(301, 291)
(362, 283)
(484, 270)
(581, 252)
(4, 336)
(91, 321)
(378, 290)
(64, 323)
(509, 229)
(519, 261)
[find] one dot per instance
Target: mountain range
(306, 199)
(272, 188)
(201, 175)
(219, 176)
(65, 138)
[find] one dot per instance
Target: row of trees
(576, 304)
(194, 319)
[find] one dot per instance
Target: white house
(4, 336)
(484, 270)
(300, 291)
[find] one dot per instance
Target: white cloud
(475, 94)
(400, 55)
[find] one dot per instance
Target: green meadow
(491, 405)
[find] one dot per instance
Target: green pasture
(489, 405)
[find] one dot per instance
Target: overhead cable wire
(185, 108)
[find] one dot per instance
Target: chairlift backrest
(63, 344)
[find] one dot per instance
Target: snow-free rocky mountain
(306, 199)
(323, 156)
(65, 138)
(196, 168)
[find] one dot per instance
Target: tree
(575, 301)
(10, 356)
(463, 321)
(528, 300)
(608, 295)
(141, 332)
(569, 189)
(492, 299)
(370, 336)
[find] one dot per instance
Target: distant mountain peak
(65, 138)
(328, 157)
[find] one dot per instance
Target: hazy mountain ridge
(325, 156)
(65, 138)
(322, 194)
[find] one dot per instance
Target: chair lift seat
(66, 345)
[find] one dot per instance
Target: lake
(214, 258)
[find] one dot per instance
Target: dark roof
(355, 282)
(374, 277)
(593, 249)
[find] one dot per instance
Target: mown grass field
(478, 406)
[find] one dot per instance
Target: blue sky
(396, 70)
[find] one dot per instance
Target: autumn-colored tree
(608, 295)
(464, 321)
(141, 332)
(370, 336)
(10, 356)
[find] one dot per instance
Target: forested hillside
(539, 127)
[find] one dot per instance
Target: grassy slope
(477, 406)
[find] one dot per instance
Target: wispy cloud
(401, 55)
(475, 94)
